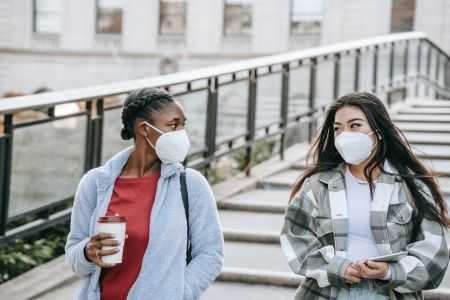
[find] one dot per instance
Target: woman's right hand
(93, 250)
(352, 275)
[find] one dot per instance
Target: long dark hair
(392, 146)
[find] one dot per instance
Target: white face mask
(354, 147)
(172, 146)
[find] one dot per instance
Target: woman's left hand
(372, 269)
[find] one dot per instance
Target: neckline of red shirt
(138, 179)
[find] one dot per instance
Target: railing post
(211, 119)
(6, 152)
(375, 70)
(94, 134)
(405, 68)
(428, 69)
(436, 74)
(284, 113)
(419, 62)
(446, 74)
(336, 79)
(357, 67)
(391, 65)
(312, 98)
(99, 132)
(251, 119)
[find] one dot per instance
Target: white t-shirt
(360, 243)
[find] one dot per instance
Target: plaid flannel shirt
(314, 237)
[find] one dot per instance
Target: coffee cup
(117, 226)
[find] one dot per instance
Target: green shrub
(22, 255)
(262, 150)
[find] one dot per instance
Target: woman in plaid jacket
(365, 179)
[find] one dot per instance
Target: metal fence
(414, 66)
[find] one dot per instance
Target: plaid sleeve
(306, 252)
(427, 260)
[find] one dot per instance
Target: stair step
(423, 127)
(241, 291)
(257, 197)
(242, 220)
(429, 103)
(254, 206)
(255, 256)
(252, 276)
(428, 138)
(424, 150)
(441, 166)
(283, 180)
(421, 118)
(425, 111)
(252, 236)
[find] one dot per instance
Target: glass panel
(48, 161)
(172, 19)
(47, 16)
(232, 110)
(383, 66)
(268, 102)
(347, 74)
(109, 16)
(194, 105)
(399, 56)
(324, 82)
(306, 16)
(298, 90)
(238, 17)
(112, 142)
(366, 71)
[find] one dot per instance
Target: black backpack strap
(184, 196)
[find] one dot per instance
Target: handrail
(11, 105)
(211, 80)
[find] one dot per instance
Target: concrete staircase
(252, 214)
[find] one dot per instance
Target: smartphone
(394, 257)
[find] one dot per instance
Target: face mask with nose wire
(170, 147)
(354, 147)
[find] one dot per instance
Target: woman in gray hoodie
(142, 183)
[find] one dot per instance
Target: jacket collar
(113, 167)
(338, 174)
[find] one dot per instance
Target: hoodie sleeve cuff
(83, 262)
(336, 271)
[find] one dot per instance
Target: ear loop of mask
(146, 137)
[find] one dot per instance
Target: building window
(402, 17)
(306, 16)
(238, 17)
(172, 16)
(47, 16)
(109, 16)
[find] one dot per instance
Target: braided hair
(139, 104)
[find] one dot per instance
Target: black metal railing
(414, 78)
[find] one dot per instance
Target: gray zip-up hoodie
(164, 274)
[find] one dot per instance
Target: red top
(133, 199)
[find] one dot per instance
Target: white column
(271, 26)
(346, 20)
(21, 22)
(140, 25)
(6, 6)
(78, 24)
(204, 25)
(432, 18)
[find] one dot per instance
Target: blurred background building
(69, 44)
